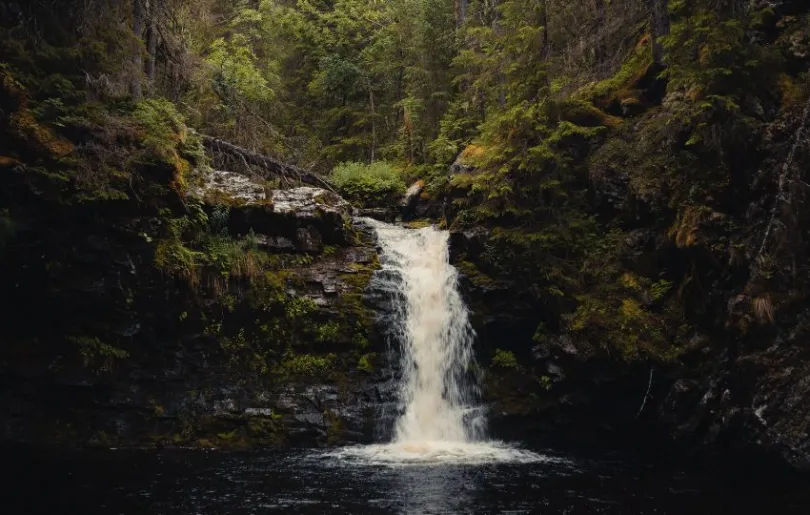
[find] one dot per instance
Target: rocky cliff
(663, 289)
(154, 301)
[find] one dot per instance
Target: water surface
(311, 482)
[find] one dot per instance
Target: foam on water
(438, 453)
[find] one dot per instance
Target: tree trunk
(659, 27)
(498, 30)
(373, 125)
(267, 163)
(137, 58)
(151, 43)
(461, 12)
(546, 51)
(599, 44)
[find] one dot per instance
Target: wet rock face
(191, 376)
(758, 401)
(309, 203)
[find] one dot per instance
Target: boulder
(305, 218)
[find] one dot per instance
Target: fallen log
(268, 163)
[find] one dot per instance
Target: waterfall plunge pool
(314, 482)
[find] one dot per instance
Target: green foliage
(545, 382)
(629, 316)
(360, 341)
(327, 333)
(505, 360)
(196, 245)
(93, 351)
(623, 85)
(376, 184)
(164, 125)
(308, 365)
(366, 362)
(709, 52)
(235, 71)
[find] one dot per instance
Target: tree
(659, 27)
(138, 13)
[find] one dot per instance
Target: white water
(440, 421)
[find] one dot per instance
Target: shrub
(165, 126)
(376, 184)
(504, 359)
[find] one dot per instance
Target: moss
(360, 341)
(475, 276)
(328, 332)
(472, 155)
(505, 360)
(266, 431)
(357, 317)
(791, 92)
(335, 428)
(366, 362)
(308, 364)
(419, 224)
(583, 113)
(27, 129)
(623, 85)
(227, 436)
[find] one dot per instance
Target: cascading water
(439, 421)
(433, 329)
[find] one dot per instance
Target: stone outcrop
(285, 358)
(307, 217)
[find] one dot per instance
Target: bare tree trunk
(137, 59)
(659, 26)
(461, 12)
(546, 52)
(373, 125)
(601, 20)
(498, 30)
(151, 44)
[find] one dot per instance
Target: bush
(376, 184)
(505, 359)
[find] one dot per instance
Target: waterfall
(431, 325)
(439, 421)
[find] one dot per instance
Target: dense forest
(624, 182)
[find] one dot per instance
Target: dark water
(196, 482)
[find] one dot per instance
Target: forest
(624, 183)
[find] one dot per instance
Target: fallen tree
(273, 166)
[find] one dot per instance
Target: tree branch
(267, 163)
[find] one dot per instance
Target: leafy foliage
(504, 359)
(376, 184)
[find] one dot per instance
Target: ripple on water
(437, 453)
